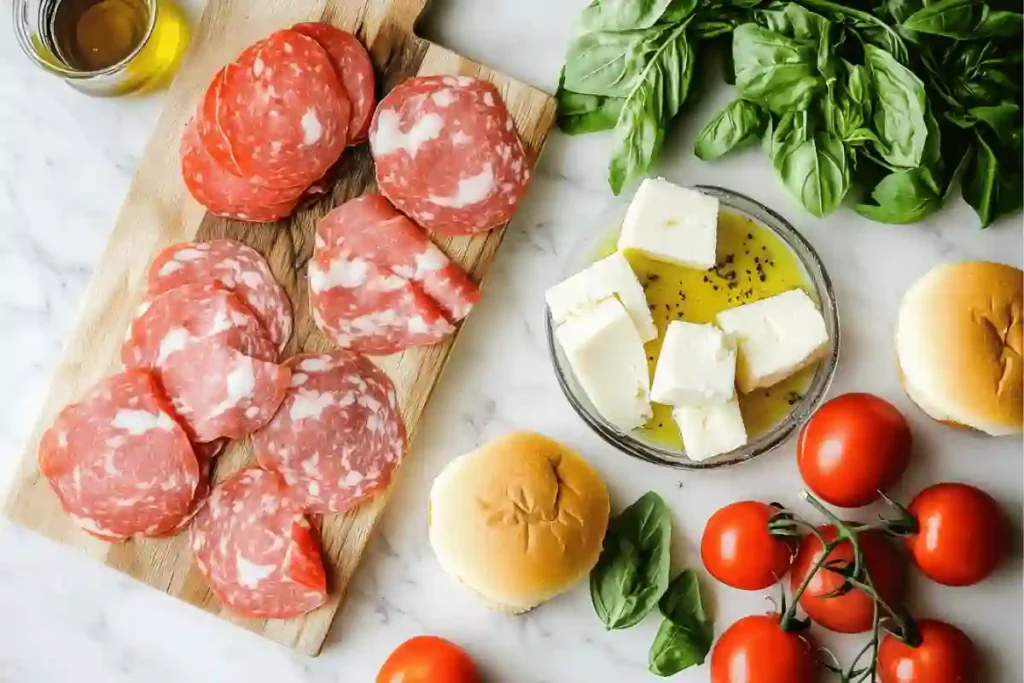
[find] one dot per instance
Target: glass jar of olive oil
(104, 47)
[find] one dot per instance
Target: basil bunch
(632, 577)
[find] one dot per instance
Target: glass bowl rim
(812, 399)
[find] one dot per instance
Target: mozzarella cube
(776, 337)
(611, 276)
(674, 224)
(711, 429)
(607, 356)
(697, 365)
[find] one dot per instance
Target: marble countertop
(65, 164)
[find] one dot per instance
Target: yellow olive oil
(752, 264)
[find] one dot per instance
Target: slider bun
(519, 520)
(958, 344)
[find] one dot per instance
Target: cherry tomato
(738, 550)
(945, 655)
(963, 534)
(853, 447)
(756, 649)
(428, 659)
(851, 612)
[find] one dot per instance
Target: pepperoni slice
(338, 436)
(447, 154)
(282, 111)
(355, 69)
(258, 554)
(238, 267)
(363, 307)
(371, 227)
(119, 461)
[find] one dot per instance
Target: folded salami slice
(338, 436)
(281, 112)
(119, 461)
(363, 307)
(198, 498)
(257, 552)
(354, 68)
(238, 267)
(371, 227)
(447, 154)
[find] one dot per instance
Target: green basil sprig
(964, 20)
(686, 633)
(739, 123)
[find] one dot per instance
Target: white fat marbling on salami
(137, 422)
(471, 190)
(389, 137)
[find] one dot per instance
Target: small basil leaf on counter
(778, 72)
(902, 197)
(686, 633)
(964, 20)
(609, 63)
(739, 123)
(899, 109)
(632, 572)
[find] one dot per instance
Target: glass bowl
(634, 443)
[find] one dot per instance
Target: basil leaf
(775, 71)
(813, 167)
(964, 20)
(579, 114)
(1003, 119)
(902, 197)
(660, 91)
(793, 21)
(711, 28)
(632, 572)
(624, 15)
(870, 29)
(609, 63)
(899, 110)
(739, 123)
(686, 633)
(849, 108)
(991, 189)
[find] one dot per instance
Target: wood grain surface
(158, 211)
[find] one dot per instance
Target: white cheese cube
(697, 365)
(776, 337)
(674, 224)
(710, 430)
(611, 276)
(607, 357)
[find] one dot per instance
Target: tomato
(963, 534)
(738, 550)
(853, 447)
(945, 655)
(851, 612)
(756, 649)
(428, 659)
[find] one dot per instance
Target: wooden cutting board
(158, 212)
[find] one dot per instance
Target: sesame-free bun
(958, 344)
(519, 520)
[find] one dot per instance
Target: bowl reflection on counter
(634, 443)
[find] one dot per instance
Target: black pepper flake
(729, 258)
(715, 287)
(757, 260)
(706, 279)
(733, 285)
(764, 248)
(750, 236)
(748, 271)
(653, 278)
(650, 358)
(763, 278)
(661, 424)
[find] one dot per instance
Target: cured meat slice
(238, 267)
(212, 357)
(355, 69)
(222, 192)
(257, 552)
(119, 461)
(338, 436)
(448, 155)
(198, 498)
(363, 307)
(282, 112)
(372, 227)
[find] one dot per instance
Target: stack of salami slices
(275, 120)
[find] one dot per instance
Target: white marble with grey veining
(65, 164)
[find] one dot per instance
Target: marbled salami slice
(371, 227)
(119, 461)
(338, 436)
(258, 554)
(354, 68)
(363, 307)
(198, 498)
(447, 154)
(282, 111)
(238, 267)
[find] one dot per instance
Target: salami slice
(198, 498)
(447, 154)
(363, 307)
(355, 69)
(119, 461)
(338, 436)
(258, 553)
(223, 193)
(282, 112)
(238, 267)
(372, 227)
